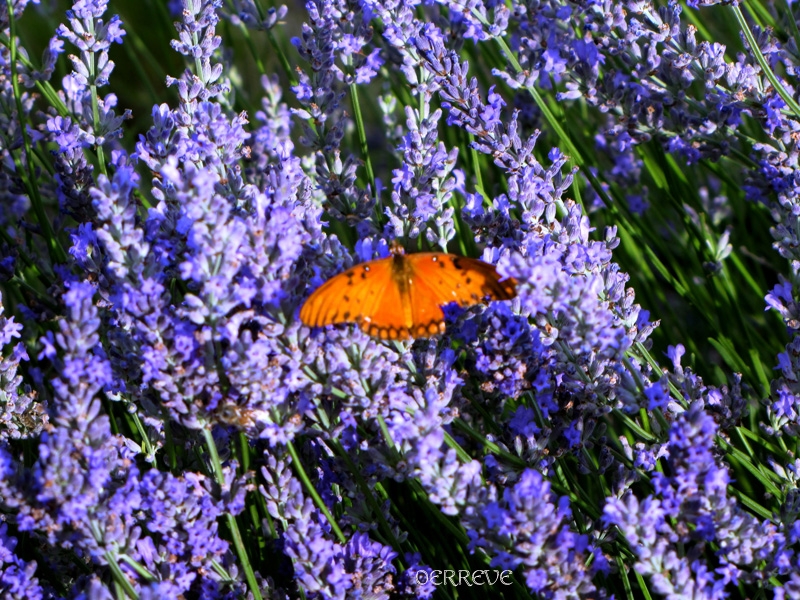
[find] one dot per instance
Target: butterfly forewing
(348, 297)
(460, 279)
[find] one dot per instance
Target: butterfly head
(396, 248)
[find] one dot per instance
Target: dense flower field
(177, 177)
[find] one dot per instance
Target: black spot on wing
(500, 290)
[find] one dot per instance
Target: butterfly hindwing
(390, 319)
(426, 309)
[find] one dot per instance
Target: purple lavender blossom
(422, 186)
(49, 57)
(359, 569)
(691, 507)
(85, 494)
(247, 13)
(318, 92)
(88, 125)
(416, 581)
(17, 577)
(22, 415)
(526, 527)
(540, 429)
(93, 37)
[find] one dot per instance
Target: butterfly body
(401, 296)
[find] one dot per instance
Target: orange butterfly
(402, 296)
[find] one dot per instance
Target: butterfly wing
(426, 309)
(349, 297)
(443, 278)
(464, 280)
(401, 296)
(391, 318)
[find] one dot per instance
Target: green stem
(368, 495)
(751, 40)
(362, 136)
(56, 252)
(249, 39)
(147, 445)
(198, 64)
(43, 87)
(40, 296)
(287, 68)
(143, 572)
(788, 16)
(233, 527)
(476, 166)
(462, 454)
(301, 473)
(101, 158)
(119, 577)
(576, 158)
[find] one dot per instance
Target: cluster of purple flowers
(169, 427)
(692, 507)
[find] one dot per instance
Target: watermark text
(463, 577)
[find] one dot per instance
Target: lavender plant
(178, 177)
